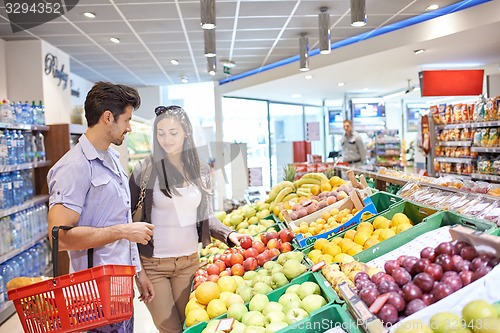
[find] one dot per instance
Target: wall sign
(51, 68)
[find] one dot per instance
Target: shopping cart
(78, 301)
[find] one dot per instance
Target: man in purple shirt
(89, 190)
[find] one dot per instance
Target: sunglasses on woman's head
(174, 109)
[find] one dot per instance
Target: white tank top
(175, 218)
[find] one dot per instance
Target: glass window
(245, 121)
(287, 126)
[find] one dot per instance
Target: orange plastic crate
(78, 301)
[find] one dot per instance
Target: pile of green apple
(478, 316)
(265, 316)
(273, 275)
(248, 219)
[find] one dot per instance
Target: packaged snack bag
(465, 113)
(478, 135)
(485, 137)
(439, 151)
(493, 137)
(459, 168)
(447, 114)
(471, 108)
(467, 151)
(465, 134)
(437, 166)
(457, 114)
(490, 110)
(479, 111)
(434, 110)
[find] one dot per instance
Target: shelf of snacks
(455, 143)
(459, 176)
(485, 124)
(486, 177)
(494, 150)
(455, 159)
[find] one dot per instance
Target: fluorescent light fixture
(211, 66)
(419, 51)
(396, 94)
(115, 40)
(228, 63)
(308, 77)
(432, 7)
(209, 36)
(366, 89)
(89, 15)
(174, 62)
(296, 96)
(341, 84)
(304, 52)
(358, 13)
(184, 79)
(324, 31)
(207, 14)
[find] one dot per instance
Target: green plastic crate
(326, 291)
(496, 232)
(327, 318)
(383, 201)
(433, 222)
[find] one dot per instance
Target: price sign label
(225, 324)
(318, 266)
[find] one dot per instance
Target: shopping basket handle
(55, 249)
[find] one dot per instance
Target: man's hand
(145, 286)
(138, 232)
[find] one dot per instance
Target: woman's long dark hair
(168, 175)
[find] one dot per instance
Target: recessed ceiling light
(89, 15)
(340, 84)
(419, 51)
(114, 40)
(211, 73)
(296, 96)
(366, 89)
(184, 79)
(308, 77)
(174, 62)
(432, 7)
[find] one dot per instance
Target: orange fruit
(206, 292)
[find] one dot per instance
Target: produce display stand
(381, 181)
(326, 291)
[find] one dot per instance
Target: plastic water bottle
(11, 157)
(18, 185)
(18, 111)
(16, 239)
(29, 187)
(28, 263)
(21, 151)
(3, 294)
(7, 274)
(15, 150)
(41, 146)
(41, 256)
(41, 114)
(3, 149)
(30, 154)
(6, 191)
(35, 255)
(5, 224)
(16, 267)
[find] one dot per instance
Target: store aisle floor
(143, 322)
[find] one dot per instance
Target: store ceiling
(153, 32)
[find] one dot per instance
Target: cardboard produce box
(353, 201)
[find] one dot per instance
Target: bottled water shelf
(24, 166)
(11, 254)
(27, 127)
(29, 203)
(7, 309)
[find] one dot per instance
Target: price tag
(225, 324)
(421, 172)
(379, 302)
(318, 266)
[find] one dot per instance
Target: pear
(293, 268)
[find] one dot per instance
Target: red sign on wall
(451, 82)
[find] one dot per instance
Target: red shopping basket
(78, 301)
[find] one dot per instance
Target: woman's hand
(235, 237)
(145, 286)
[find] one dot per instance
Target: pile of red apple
(248, 257)
(409, 283)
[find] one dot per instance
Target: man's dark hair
(108, 96)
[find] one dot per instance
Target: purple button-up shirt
(84, 182)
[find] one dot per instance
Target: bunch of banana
(281, 192)
(309, 184)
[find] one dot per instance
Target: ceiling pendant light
(207, 14)
(211, 65)
(358, 13)
(304, 52)
(209, 37)
(324, 31)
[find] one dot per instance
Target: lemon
(361, 237)
(386, 234)
(365, 226)
(331, 249)
(318, 245)
(350, 234)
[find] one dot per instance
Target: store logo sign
(51, 68)
(26, 14)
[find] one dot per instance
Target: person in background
(178, 202)
(353, 148)
(88, 191)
